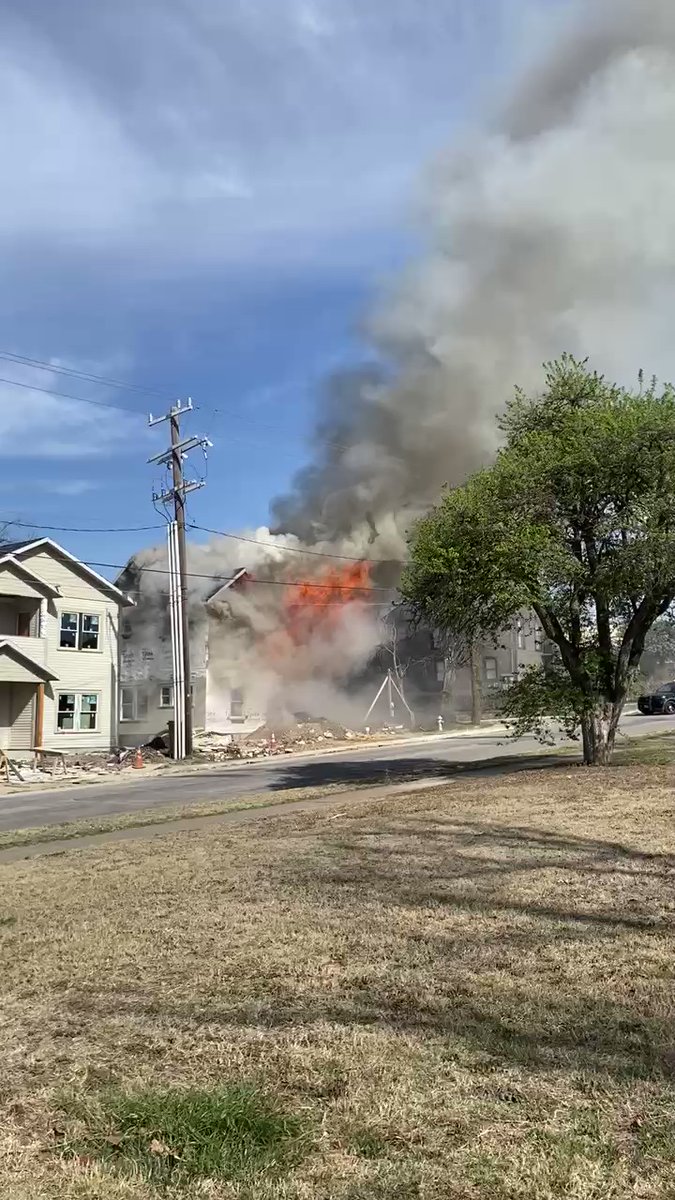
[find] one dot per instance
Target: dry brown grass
(465, 993)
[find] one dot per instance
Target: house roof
(224, 587)
(9, 650)
(10, 547)
(41, 585)
(18, 549)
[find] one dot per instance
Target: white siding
(79, 671)
(22, 735)
(5, 710)
(13, 583)
(32, 647)
(14, 672)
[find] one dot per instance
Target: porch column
(39, 715)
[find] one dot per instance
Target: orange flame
(309, 606)
(314, 608)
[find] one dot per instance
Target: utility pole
(178, 571)
(476, 690)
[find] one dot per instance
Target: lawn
(464, 993)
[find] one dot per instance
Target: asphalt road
(362, 765)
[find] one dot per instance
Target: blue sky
(204, 196)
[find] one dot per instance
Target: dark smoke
(553, 230)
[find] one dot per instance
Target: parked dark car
(662, 701)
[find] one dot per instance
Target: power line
(141, 390)
(58, 369)
(240, 537)
(33, 387)
(295, 583)
(237, 537)
(75, 529)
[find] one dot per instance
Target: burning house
(266, 648)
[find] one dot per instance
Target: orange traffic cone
(138, 760)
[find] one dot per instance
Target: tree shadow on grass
(455, 938)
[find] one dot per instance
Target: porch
(22, 691)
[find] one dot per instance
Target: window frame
(166, 687)
(80, 632)
(488, 677)
(140, 712)
(238, 715)
(77, 712)
(24, 621)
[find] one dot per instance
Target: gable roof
(238, 576)
(9, 560)
(19, 549)
(9, 650)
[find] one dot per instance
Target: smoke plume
(551, 229)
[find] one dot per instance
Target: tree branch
(555, 633)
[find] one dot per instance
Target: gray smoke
(552, 230)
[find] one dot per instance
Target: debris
(157, 743)
(10, 766)
(272, 739)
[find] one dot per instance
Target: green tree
(575, 520)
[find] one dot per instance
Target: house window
(166, 697)
(491, 670)
(440, 670)
(236, 703)
(133, 704)
(539, 639)
(77, 712)
(70, 623)
(79, 631)
(521, 636)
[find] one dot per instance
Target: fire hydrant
(441, 723)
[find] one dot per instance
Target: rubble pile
(271, 739)
(214, 747)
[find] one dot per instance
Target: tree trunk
(476, 697)
(598, 733)
(448, 686)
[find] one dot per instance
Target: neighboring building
(59, 662)
(434, 684)
(221, 700)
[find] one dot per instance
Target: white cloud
(52, 487)
(68, 487)
(35, 424)
(205, 131)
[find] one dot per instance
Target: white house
(59, 650)
(223, 700)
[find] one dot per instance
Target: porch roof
(17, 667)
